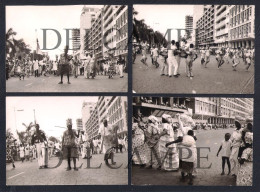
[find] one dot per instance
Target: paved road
(28, 173)
(208, 80)
(205, 177)
(80, 84)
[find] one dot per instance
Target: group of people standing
(237, 149)
(158, 144)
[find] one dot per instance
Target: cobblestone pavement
(50, 84)
(205, 177)
(28, 173)
(208, 80)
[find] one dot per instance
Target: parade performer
(154, 56)
(69, 146)
(235, 59)
(139, 146)
(169, 153)
(202, 56)
(207, 56)
(9, 151)
(187, 164)
(247, 56)
(164, 54)
(191, 57)
(152, 136)
(226, 152)
(92, 66)
(64, 65)
(39, 139)
(171, 59)
(245, 173)
(108, 136)
(236, 139)
(144, 57)
(121, 63)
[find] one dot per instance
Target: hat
(187, 120)
(69, 121)
(165, 116)
(152, 118)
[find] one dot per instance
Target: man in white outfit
(39, 139)
(171, 58)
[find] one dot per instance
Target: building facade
(241, 26)
(86, 111)
(225, 26)
(221, 25)
(87, 16)
(216, 110)
(92, 124)
(189, 24)
(75, 39)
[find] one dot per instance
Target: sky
(28, 22)
(49, 112)
(163, 17)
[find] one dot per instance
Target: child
(226, 151)
(189, 150)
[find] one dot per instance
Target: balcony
(222, 32)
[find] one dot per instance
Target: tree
(15, 47)
(25, 136)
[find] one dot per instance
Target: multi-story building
(220, 110)
(205, 27)
(203, 109)
(94, 38)
(92, 124)
(79, 124)
(189, 24)
(198, 11)
(225, 25)
(87, 109)
(241, 26)
(122, 31)
(221, 25)
(117, 114)
(75, 39)
(87, 16)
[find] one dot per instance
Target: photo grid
(175, 140)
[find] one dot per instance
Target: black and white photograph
(66, 140)
(67, 48)
(193, 49)
(199, 141)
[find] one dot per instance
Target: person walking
(121, 64)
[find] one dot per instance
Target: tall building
(241, 26)
(94, 38)
(87, 108)
(92, 124)
(221, 25)
(205, 27)
(75, 39)
(122, 31)
(225, 25)
(102, 107)
(87, 16)
(189, 24)
(117, 114)
(198, 11)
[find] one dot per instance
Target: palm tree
(10, 47)
(15, 47)
(27, 130)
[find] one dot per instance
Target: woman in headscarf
(139, 146)
(152, 135)
(236, 139)
(245, 172)
(169, 155)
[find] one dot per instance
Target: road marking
(28, 84)
(16, 175)
(215, 143)
(193, 91)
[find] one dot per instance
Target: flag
(38, 50)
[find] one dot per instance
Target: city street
(50, 84)
(28, 173)
(208, 80)
(205, 177)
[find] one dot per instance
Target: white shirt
(226, 148)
